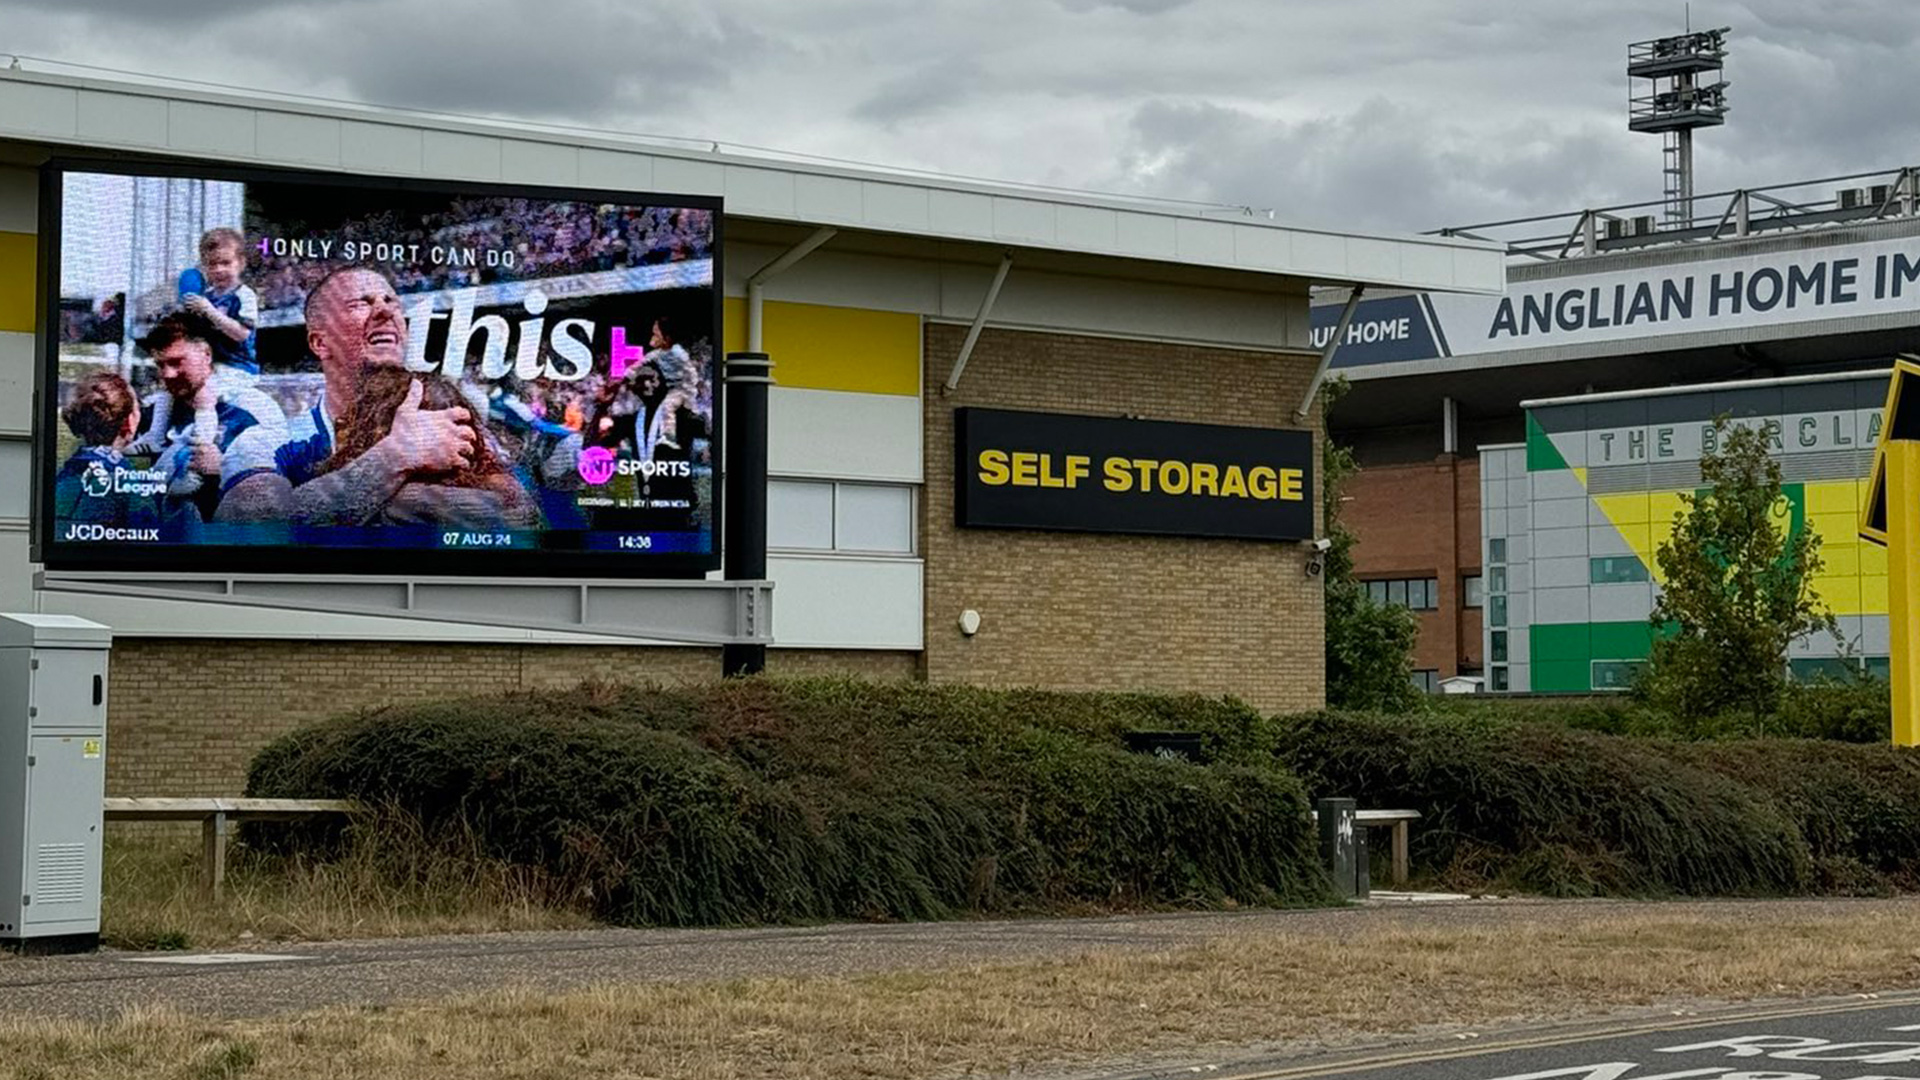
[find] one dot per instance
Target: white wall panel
(538, 163)
(210, 129)
(843, 436)
(462, 157)
(39, 110)
(307, 140)
(837, 602)
(1130, 308)
(380, 148)
(19, 200)
(119, 120)
(16, 383)
(617, 170)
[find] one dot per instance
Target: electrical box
(53, 769)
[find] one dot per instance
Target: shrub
(1546, 809)
(1857, 807)
(769, 801)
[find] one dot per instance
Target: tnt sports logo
(97, 481)
(596, 465)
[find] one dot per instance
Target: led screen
(290, 372)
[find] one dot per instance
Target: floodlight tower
(1678, 101)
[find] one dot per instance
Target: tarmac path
(272, 977)
(1862, 1038)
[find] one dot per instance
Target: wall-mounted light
(969, 622)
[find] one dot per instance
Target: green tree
(1738, 587)
(1369, 645)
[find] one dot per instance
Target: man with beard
(355, 324)
(219, 450)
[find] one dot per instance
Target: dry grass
(388, 883)
(1255, 988)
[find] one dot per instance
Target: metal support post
(1902, 464)
(1338, 844)
(213, 862)
(748, 375)
(759, 278)
(979, 322)
(1326, 354)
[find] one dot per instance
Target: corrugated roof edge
(1471, 266)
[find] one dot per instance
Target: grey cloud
(1138, 7)
(928, 89)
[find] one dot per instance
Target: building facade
(863, 287)
(1573, 519)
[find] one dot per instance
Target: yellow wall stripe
(815, 347)
(16, 281)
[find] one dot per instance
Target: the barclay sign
(1775, 289)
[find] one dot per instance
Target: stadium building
(888, 302)
(1524, 454)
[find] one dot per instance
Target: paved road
(394, 971)
(1853, 1039)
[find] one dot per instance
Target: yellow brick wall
(185, 716)
(1102, 611)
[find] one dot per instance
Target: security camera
(1322, 545)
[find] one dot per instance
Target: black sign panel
(1030, 470)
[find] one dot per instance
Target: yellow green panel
(1873, 592)
(1834, 497)
(1873, 560)
(816, 347)
(16, 281)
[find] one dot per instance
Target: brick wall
(185, 716)
(1423, 520)
(1100, 611)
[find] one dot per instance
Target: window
(1497, 550)
(1616, 570)
(1419, 594)
(1475, 588)
(1496, 611)
(1498, 579)
(1615, 674)
(822, 515)
(873, 517)
(1427, 682)
(1498, 647)
(1499, 678)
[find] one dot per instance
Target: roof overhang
(82, 114)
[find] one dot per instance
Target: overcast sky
(1365, 114)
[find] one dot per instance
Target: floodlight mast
(1678, 101)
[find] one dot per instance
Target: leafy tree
(1738, 587)
(1369, 645)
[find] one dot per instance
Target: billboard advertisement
(1029, 470)
(261, 371)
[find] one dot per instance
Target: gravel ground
(386, 972)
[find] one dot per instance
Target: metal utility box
(53, 740)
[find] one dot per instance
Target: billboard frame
(242, 560)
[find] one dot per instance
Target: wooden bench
(1401, 821)
(215, 815)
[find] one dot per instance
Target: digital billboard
(1032, 470)
(265, 371)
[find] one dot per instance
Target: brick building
(1111, 308)
(1619, 327)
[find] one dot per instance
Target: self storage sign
(1030, 470)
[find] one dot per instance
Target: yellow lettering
(1233, 484)
(1205, 478)
(1047, 479)
(993, 467)
(1076, 469)
(1173, 477)
(1260, 481)
(1145, 467)
(1290, 482)
(1118, 478)
(1025, 466)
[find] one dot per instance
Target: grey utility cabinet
(53, 741)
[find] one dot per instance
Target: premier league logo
(97, 481)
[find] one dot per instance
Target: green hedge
(1543, 808)
(771, 801)
(1537, 806)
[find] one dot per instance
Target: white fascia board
(262, 130)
